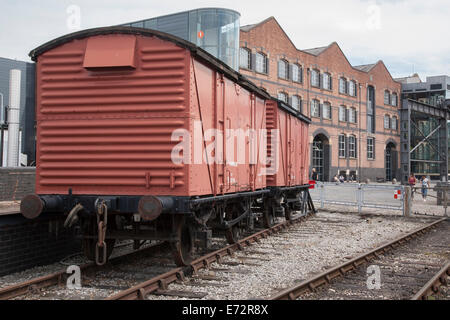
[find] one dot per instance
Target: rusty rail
(325, 277)
(58, 278)
(432, 286)
(140, 291)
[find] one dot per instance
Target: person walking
(314, 175)
(425, 186)
(412, 183)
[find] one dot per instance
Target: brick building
(354, 109)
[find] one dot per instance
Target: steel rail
(325, 277)
(58, 278)
(432, 286)
(140, 291)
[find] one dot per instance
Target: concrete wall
(15, 183)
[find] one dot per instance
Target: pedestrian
(425, 186)
(341, 179)
(314, 175)
(336, 179)
(412, 183)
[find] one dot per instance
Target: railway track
(159, 284)
(34, 286)
(248, 273)
(404, 265)
(155, 263)
(432, 287)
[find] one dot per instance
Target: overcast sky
(406, 34)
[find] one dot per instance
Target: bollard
(407, 201)
(322, 196)
(360, 197)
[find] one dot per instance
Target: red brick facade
(269, 38)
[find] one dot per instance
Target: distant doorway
(321, 157)
(390, 161)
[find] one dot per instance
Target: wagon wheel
(183, 245)
(234, 233)
(89, 244)
(268, 216)
(288, 212)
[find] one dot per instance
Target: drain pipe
(13, 118)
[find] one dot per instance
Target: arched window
(394, 99)
(352, 88)
(315, 108)
(342, 146)
(342, 85)
(387, 97)
(352, 146)
(245, 58)
(394, 123)
(261, 63)
(297, 73)
(283, 96)
(283, 69)
(315, 78)
(342, 113)
(297, 103)
(370, 148)
(352, 115)
(387, 121)
(326, 81)
(326, 112)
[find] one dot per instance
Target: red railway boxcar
(144, 136)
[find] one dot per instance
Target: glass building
(215, 30)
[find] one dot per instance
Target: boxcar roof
(195, 50)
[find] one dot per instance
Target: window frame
(264, 62)
(328, 82)
(317, 72)
(343, 81)
(341, 144)
(328, 105)
(317, 108)
(285, 76)
(249, 58)
(300, 73)
(394, 120)
(299, 99)
(387, 97)
(371, 150)
(352, 153)
(342, 107)
(352, 114)
(352, 83)
(387, 121)
(285, 94)
(394, 99)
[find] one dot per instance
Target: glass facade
(427, 151)
(215, 30)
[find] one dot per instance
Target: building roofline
(322, 51)
(181, 12)
(16, 60)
